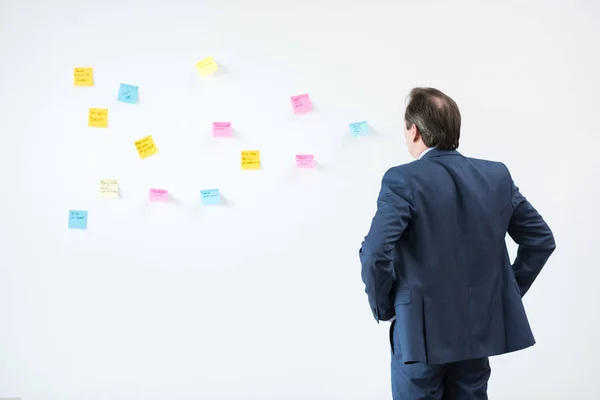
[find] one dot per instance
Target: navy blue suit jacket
(435, 258)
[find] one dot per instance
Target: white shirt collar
(425, 152)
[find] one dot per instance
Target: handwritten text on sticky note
(222, 129)
(84, 77)
(207, 66)
(109, 188)
(128, 93)
(301, 104)
(305, 161)
(98, 118)
(250, 159)
(359, 128)
(210, 196)
(146, 147)
(78, 219)
(159, 195)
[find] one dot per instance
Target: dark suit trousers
(462, 380)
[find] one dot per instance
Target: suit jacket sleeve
(536, 242)
(395, 207)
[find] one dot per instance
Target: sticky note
(159, 195)
(207, 66)
(84, 76)
(78, 219)
(359, 128)
(128, 93)
(146, 147)
(250, 159)
(222, 129)
(98, 118)
(109, 188)
(210, 196)
(305, 161)
(301, 104)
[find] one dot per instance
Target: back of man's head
(436, 117)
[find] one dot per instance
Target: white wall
(262, 298)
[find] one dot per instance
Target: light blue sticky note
(78, 219)
(210, 196)
(128, 93)
(359, 128)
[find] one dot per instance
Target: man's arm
(536, 242)
(395, 207)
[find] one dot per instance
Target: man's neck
(423, 152)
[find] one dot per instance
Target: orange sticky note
(146, 147)
(250, 159)
(98, 118)
(84, 76)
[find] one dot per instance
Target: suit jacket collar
(438, 153)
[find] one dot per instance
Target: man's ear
(416, 134)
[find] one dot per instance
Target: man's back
(455, 295)
(435, 261)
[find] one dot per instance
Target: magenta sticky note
(222, 129)
(159, 195)
(301, 104)
(305, 161)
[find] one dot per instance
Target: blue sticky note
(210, 196)
(359, 128)
(128, 93)
(78, 219)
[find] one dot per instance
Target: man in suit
(435, 263)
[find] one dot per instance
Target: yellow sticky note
(146, 147)
(84, 77)
(207, 66)
(98, 118)
(109, 188)
(250, 159)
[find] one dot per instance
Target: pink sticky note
(159, 195)
(305, 161)
(222, 129)
(301, 104)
